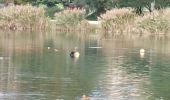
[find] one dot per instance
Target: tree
(139, 4)
(100, 6)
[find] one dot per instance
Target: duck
(75, 53)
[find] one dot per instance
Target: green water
(31, 71)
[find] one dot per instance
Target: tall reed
(72, 21)
(23, 17)
(124, 21)
(156, 23)
(70, 17)
(117, 21)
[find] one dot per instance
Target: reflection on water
(108, 69)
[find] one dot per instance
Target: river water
(37, 66)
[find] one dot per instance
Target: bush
(23, 17)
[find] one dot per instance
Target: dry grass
(124, 21)
(117, 21)
(73, 21)
(156, 23)
(70, 17)
(21, 17)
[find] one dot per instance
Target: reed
(23, 17)
(83, 28)
(72, 21)
(156, 23)
(125, 22)
(117, 21)
(70, 17)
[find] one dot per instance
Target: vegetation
(125, 21)
(117, 21)
(95, 7)
(117, 16)
(70, 17)
(72, 20)
(158, 23)
(23, 17)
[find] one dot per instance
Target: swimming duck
(75, 53)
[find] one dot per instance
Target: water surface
(108, 69)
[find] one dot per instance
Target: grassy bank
(122, 21)
(21, 17)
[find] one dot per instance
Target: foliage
(22, 17)
(2, 1)
(100, 6)
(70, 17)
(97, 7)
(140, 4)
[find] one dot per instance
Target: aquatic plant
(124, 22)
(157, 25)
(72, 21)
(70, 17)
(117, 21)
(23, 17)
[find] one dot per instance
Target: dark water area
(37, 66)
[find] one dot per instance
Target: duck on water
(75, 53)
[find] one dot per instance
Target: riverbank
(122, 21)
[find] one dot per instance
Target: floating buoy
(55, 50)
(95, 47)
(142, 53)
(48, 48)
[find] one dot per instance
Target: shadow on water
(38, 66)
